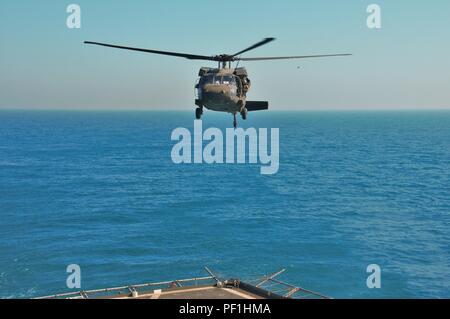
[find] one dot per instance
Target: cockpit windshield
(228, 79)
(209, 79)
(217, 79)
(213, 79)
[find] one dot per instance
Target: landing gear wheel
(198, 113)
(244, 113)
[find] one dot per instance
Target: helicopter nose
(215, 93)
(216, 89)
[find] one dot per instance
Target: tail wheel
(198, 113)
(244, 113)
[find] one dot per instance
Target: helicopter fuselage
(222, 89)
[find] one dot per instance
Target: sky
(403, 65)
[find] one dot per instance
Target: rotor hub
(224, 58)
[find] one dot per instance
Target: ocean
(99, 189)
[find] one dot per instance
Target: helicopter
(223, 89)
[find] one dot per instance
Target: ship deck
(206, 292)
(210, 287)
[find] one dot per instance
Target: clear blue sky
(406, 64)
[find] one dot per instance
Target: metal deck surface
(210, 292)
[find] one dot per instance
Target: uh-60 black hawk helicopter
(224, 88)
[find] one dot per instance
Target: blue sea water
(99, 189)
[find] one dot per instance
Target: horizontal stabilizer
(257, 105)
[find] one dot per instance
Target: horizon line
(188, 110)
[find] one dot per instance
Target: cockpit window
(228, 79)
(217, 79)
(209, 79)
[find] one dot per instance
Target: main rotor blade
(292, 57)
(176, 54)
(265, 41)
